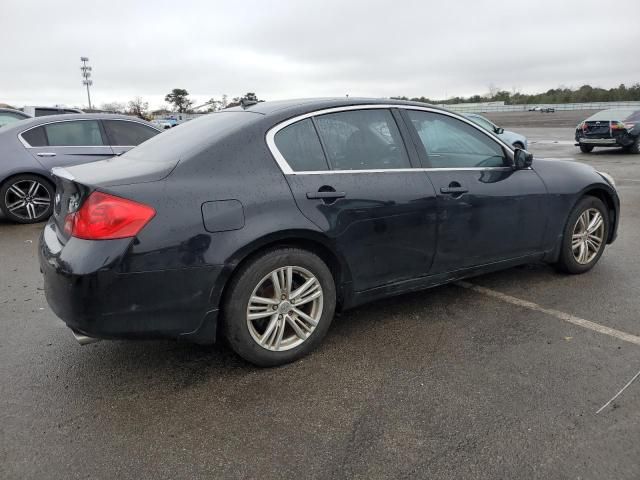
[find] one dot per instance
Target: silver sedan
(30, 148)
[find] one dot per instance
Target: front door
(487, 210)
(352, 177)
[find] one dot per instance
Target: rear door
(487, 210)
(351, 175)
(123, 135)
(67, 142)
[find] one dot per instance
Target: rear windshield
(190, 137)
(619, 114)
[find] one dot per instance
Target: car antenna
(245, 102)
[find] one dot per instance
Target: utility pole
(86, 74)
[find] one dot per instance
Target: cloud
(282, 49)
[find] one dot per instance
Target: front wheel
(585, 236)
(27, 198)
(279, 306)
(586, 148)
(635, 146)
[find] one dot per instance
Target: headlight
(608, 178)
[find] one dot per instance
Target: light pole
(86, 74)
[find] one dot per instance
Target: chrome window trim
(287, 170)
(26, 144)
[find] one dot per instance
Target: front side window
(362, 140)
(451, 143)
(299, 145)
(74, 133)
(124, 133)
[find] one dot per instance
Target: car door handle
(325, 195)
(46, 154)
(454, 190)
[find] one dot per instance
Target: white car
(512, 138)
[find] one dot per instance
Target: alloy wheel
(588, 236)
(284, 308)
(27, 199)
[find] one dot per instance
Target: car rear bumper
(598, 141)
(84, 288)
(619, 139)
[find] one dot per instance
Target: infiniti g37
(256, 223)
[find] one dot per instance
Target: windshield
(483, 122)
(619, 114)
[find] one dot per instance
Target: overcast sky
(296, 48)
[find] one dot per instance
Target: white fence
(478, 108)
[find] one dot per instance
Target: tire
(518, 145)
(569, 260)
(255, 280)
(586, 148)
(36, 194)
(635, 146)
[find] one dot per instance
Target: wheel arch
(312, 241)
(607, 198)
(36, 173)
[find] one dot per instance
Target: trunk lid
(597, 129)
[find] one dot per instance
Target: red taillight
(107, 217)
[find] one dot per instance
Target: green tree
(179, 99)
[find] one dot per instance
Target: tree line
(584, 94)
(179, 102)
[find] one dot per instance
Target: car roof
(303, 105)
(36, 121)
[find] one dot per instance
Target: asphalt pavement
(449, 383)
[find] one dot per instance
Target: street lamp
(86, 74)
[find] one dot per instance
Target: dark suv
(617, 127)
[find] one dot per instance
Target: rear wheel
(279, 306)
(27, 198)
(635, 146)
(585, 236)
(586, 148)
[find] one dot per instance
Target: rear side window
(35, 137)
(300, 146)
(362, 140)
(451, 143)
(123, 133)
(79, 133)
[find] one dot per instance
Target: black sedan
(616, 127)
(258, 222)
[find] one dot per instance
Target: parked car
(30, 148)
(542, 109)
(548, 110)
(35, 111)
(9, 115)
(512, 138)
(162, 124)
(616, 127)
(259, 222)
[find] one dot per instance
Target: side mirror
(499, 130)
(522, 159)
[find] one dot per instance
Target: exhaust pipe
(84, 339)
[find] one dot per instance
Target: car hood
(512, 137)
